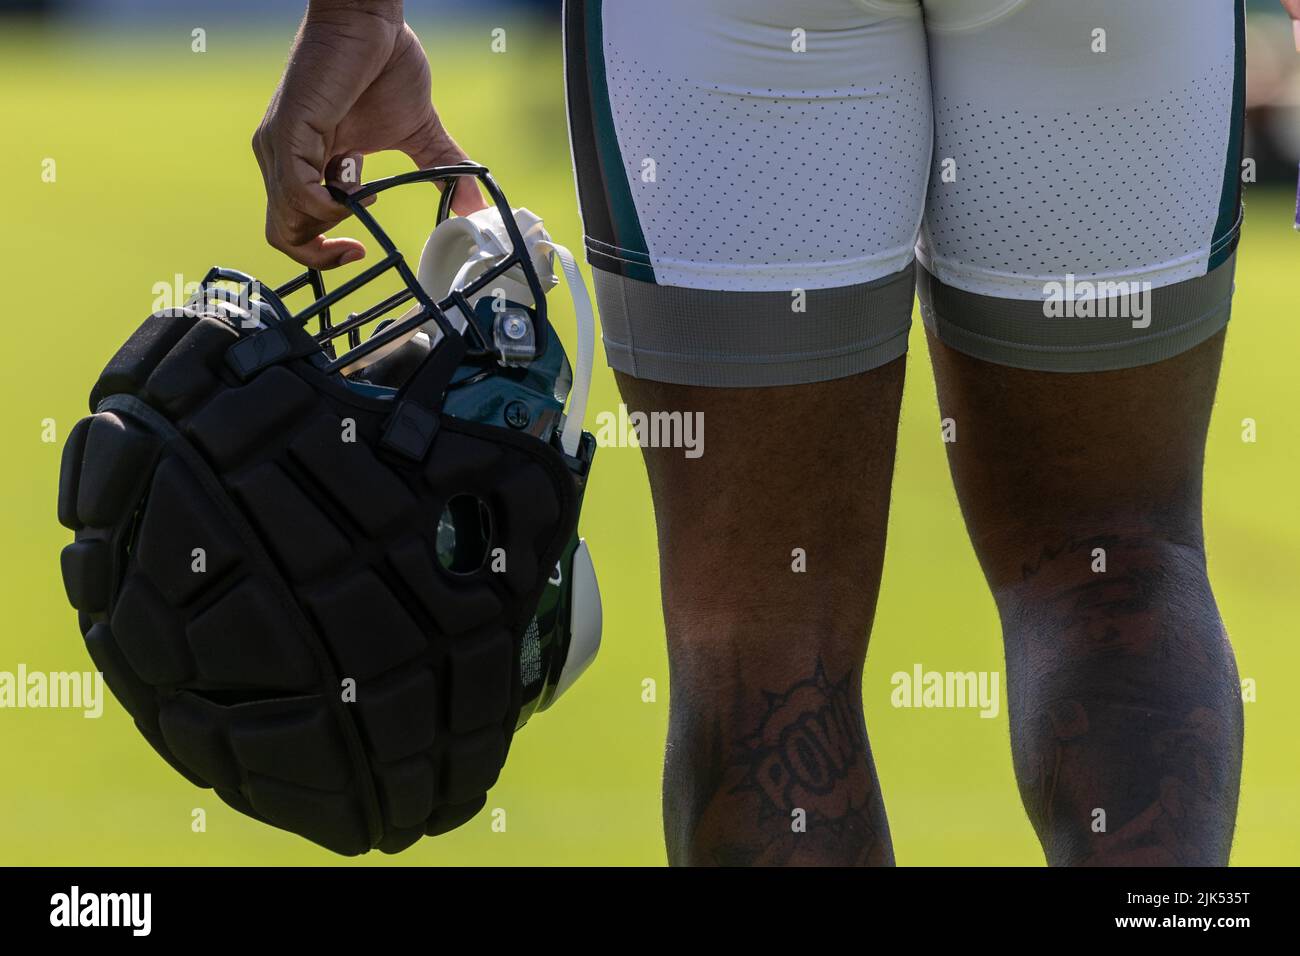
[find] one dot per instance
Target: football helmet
(329, 566)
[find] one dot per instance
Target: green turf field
(155, 177)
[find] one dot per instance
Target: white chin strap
(571, 435)
(462, 248)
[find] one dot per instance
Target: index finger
(298, 211)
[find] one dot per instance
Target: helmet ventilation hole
(464, 534)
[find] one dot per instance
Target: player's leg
(752, 178)
(771, 546)
(1081, 420)
(1082, 494)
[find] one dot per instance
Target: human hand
(357, 82)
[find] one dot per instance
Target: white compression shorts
(759, 178)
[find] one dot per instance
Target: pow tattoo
(810, 753)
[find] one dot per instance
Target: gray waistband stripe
(1018, 333)
(752, 339)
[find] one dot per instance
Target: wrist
(390, 10)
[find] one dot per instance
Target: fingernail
(351, 256)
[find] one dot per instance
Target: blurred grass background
(155, 177)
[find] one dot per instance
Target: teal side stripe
(618, 193)
(1226, 228)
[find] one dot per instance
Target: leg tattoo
(798, 787)
(1125, 705)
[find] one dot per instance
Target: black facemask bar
(291, 328)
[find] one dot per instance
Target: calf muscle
(1126, 718)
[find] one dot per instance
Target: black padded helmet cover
(257, 578)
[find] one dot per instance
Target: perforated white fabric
(757, 167)
(1085, 138)
(773, 144)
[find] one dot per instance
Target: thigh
(1047, 463)
(752, 177)
(772, 537)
